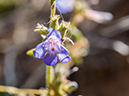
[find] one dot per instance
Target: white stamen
(67, 39)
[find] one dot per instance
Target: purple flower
(52, 48)
(65, 6)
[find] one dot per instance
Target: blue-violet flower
(65, 6)
(51, 48)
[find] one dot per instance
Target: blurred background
(105, 70)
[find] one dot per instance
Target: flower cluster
(52, 49)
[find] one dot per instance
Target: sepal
(54, 21)
(70, 86)
(41, 29)
(63, 28)
(31, 52)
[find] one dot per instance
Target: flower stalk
(53, 8)
(48, 72)
(48, 79)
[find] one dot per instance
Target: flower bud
(41, 29)
(79, 6)
(70, 86)
(64, 26)
(54, 21)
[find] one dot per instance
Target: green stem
(52, 1)
(53, 20)
(48, 74)
(48, 80)
(53, 10)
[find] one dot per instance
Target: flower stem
(52, 1)
(53, 9)
(48, 80)
(48, 74)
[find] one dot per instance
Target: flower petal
(64, 58)
(65, 6)
(64, 50)
(39, 52)
(54, 32)
(98, 16)
(50, 32)
(50, 59)
(57, 34)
